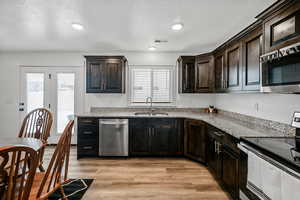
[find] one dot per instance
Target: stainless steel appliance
(280, 70)
(113, 137)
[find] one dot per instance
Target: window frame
(172, 69)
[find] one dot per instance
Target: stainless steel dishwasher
(113, 137)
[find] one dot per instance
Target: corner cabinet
(105, 74)
(195, 74)
(186, 74)
(195, 140)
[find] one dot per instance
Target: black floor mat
(74, 189)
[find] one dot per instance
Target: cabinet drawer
(87, 150)
(82, 121)
(87, 132)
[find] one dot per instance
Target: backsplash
(250, 122)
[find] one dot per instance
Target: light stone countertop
(229, 125)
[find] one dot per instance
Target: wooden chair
(37, 124)
(16, 179)
(45, 183)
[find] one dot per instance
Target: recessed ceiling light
(177, 27)
(152, 48)
(77, 26)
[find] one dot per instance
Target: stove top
(282, 149)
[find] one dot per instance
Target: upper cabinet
(204, 79)
(281, 26)
(186, 74)
(105, 74)
(252, 50)
(220, 72)
(234, 68)
(195, 74)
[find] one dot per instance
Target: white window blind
(151, 82)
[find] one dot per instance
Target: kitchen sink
(151, 114)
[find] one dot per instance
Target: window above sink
(156, 82)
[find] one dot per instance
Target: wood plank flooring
(144, 178)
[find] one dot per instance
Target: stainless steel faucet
(151, 104)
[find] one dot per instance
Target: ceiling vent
(160, 41)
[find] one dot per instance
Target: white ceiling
(122, 25)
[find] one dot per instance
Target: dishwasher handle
(113, 122)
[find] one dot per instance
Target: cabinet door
(230, 169)
(220, 73)
(95, 73)
(186, 74)
(195, 140)
(251, 73)
(165, 137)
(113, 76)
(139, 138)
(234, 71)
(202, 76)
(213, 158)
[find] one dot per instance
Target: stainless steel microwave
(280, 70)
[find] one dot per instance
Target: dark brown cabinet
(214, 153)
(195, 140)
(234, 68)
(186, 74)
(220, 72)
(282, 26)
(139, 137)
(105, 74)
(87, 137)
(204, 73)
(230, 171)
(252, 51)
(155, 137)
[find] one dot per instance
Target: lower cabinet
(214, 154)
(155, 137)
(195, 140)
(87, 137)
(230, 169)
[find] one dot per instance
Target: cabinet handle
(215, 146)
(87, 147)
(87, 132)
(86, 121)
(218, 134)
(218, 148)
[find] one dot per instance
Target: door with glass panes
(53, 88)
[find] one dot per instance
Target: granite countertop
(225, 123)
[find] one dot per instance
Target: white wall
(9, 82)
(276, 107)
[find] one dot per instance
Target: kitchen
(214, 98)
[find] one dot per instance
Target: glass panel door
(65, 99)
(34, 91)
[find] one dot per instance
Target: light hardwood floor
(144, 178)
